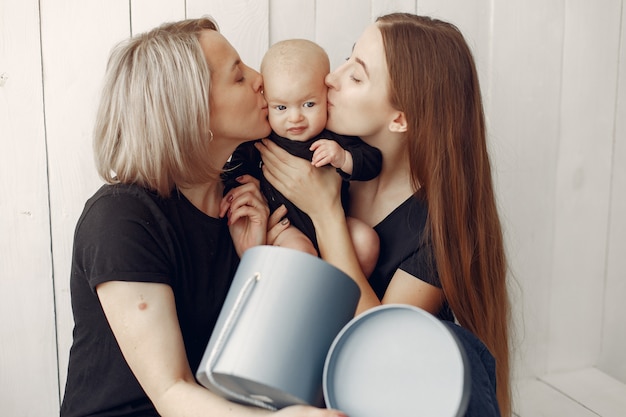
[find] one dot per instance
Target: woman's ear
(398, 124)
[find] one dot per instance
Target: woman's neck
(205, 197)
(374, 200)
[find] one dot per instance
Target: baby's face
(297, 104)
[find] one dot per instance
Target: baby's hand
(328, 152)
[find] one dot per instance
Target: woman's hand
(276, 224)
(313, 190)
(247, 213)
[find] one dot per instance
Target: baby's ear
(398, 124)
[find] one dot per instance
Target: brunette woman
(410, 89)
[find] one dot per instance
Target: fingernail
(284, 221)
(230, 198)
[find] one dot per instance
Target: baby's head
(293, 83)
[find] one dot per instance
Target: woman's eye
(356, 80)
(309, 104)
(241, 77)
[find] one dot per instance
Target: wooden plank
(593, 389)
(382, 7)
(523, 111)
(243, 22)
(77, 37)
(589, 85)
(291, 19)
(338, 26)
(28, 352)
(535, 398)
(613, 335)
(148, 14)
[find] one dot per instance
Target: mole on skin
(143, 305)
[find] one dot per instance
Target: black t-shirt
(402, 246)
(127, 233)
(366, 164)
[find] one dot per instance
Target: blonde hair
(152, 124)
(296, 54)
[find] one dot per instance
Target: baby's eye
(280, 107)
(309, 104)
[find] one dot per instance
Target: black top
(403, 246)
(127, 233)
(366, 162)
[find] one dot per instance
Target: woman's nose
(331, 79)
(257, 80)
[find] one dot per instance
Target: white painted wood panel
(523, 122)
(148, 14)
(77, 38)
(28, 351)
(338, 26)
(382, 7)
(243, 22)
(290, 19)
(589, 84)
(538, 399)
(612, 357)
(592, 389)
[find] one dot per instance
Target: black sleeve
(119, 238)
(245, 160)
(421, 264)
(366, 160)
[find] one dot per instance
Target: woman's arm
(144, 321)
(316, 191)
(405, 288)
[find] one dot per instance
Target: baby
(293, 75)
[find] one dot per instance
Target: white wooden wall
(554, 84)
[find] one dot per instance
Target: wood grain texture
(243, 22)
(613, 344)
(583, 182)
(77, 37)
(28, 351)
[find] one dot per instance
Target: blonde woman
(156, 248)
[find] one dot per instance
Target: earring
(211, 132)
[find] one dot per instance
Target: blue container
(280, 317)
(397, 360)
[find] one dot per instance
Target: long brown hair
(433, 80)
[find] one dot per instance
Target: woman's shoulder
(413, 211)
(113, 202)
(122, 191)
